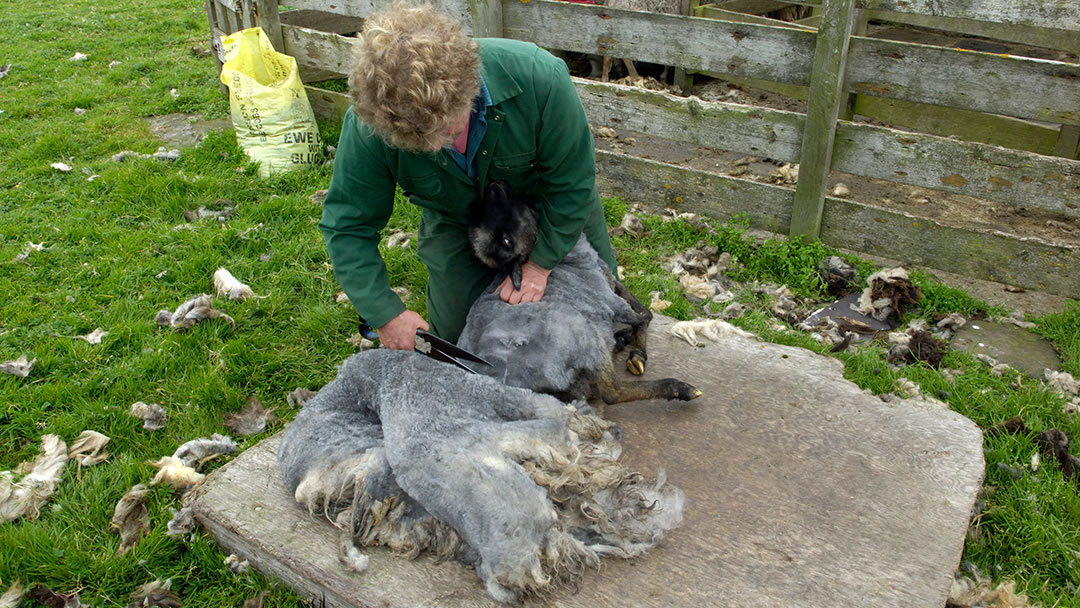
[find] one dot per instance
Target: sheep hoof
(677, 389)
(635, 364)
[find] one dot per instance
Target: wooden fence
(830, 63)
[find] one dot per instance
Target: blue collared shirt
(477, 129)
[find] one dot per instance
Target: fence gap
(826, 98)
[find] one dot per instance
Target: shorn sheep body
(417, 455)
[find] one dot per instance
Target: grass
(117, 249)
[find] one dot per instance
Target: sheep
(417, 455)
(563, 344)
(667, 7)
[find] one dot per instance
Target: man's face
(460, 124)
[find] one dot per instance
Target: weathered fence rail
(1025, 88)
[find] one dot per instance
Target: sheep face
(503, 230)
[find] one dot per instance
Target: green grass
(114, 256)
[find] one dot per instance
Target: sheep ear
(497, 191)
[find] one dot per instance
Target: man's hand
(533, 283)
(399, 333)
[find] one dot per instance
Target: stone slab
(1025, 350)
(802, 491)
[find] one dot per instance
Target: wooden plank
(266, 17)
(1068, 144)
(779, 54)
(1057, 14)
(329, 106)
(350, 8)
(215, 39)
(328, 52)
(1000, 84)
(711, 12)
(1028, 263)
(967, 125)
(247, 15)
(827, 97)
(487, 18)
(1037, 89)
(752, 7)
(746, 129)
(1065, 40)
(1013, 177)
(323, 22)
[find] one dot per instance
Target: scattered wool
(837, 274)
(1071, 407)
(202, 212)
(341, 298)
(733, 311)
(1017, 319)
(605, 132)
(152, 414)
(130, 519)
(785, 174)
(61, 167)
(225, 284)
(173, 471)
(237, 565)
(656, 304)
(191, 312)
(632, 225)
(80, 111)
(257, 601)
(713, 329)
(981, 592)
(319, 196)
(1063, 383)
(889, 293)
(358, 340)
(697, 287)
(951, 374)
(300, 397)
(1001, 369)
(166, 155)
(399, 238)
(47, 597)
(42, 476)
(1052, 443)
(402, 292)
(182, 522)
(19, 367)
(155, 593)
(841, 191)
(78, 57)
(251, 420)
(11, 597)
(198, 451)
(952, 322)
(88, 448)
(906, 388)
(94, 337)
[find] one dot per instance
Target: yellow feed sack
(270, 110)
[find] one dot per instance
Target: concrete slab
(802, 491)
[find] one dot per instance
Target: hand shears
(440, 350)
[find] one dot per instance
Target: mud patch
(1018, 347)
(180, 130)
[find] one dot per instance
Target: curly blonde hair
(414, 72)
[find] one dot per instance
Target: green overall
(537, 139)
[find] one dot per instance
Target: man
(442, 115)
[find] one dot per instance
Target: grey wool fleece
(414, 454)
(551, 345)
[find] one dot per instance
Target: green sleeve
(357, 207)
(566, 161)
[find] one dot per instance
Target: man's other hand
(533, 283)
(399, 333)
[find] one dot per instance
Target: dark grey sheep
(414, 454)
(563, 344)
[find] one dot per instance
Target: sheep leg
(605, 71)
(605, 387)
(637, 354)
(630, 68)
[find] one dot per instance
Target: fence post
(826, 98)
(266, 13)
(487, 18)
